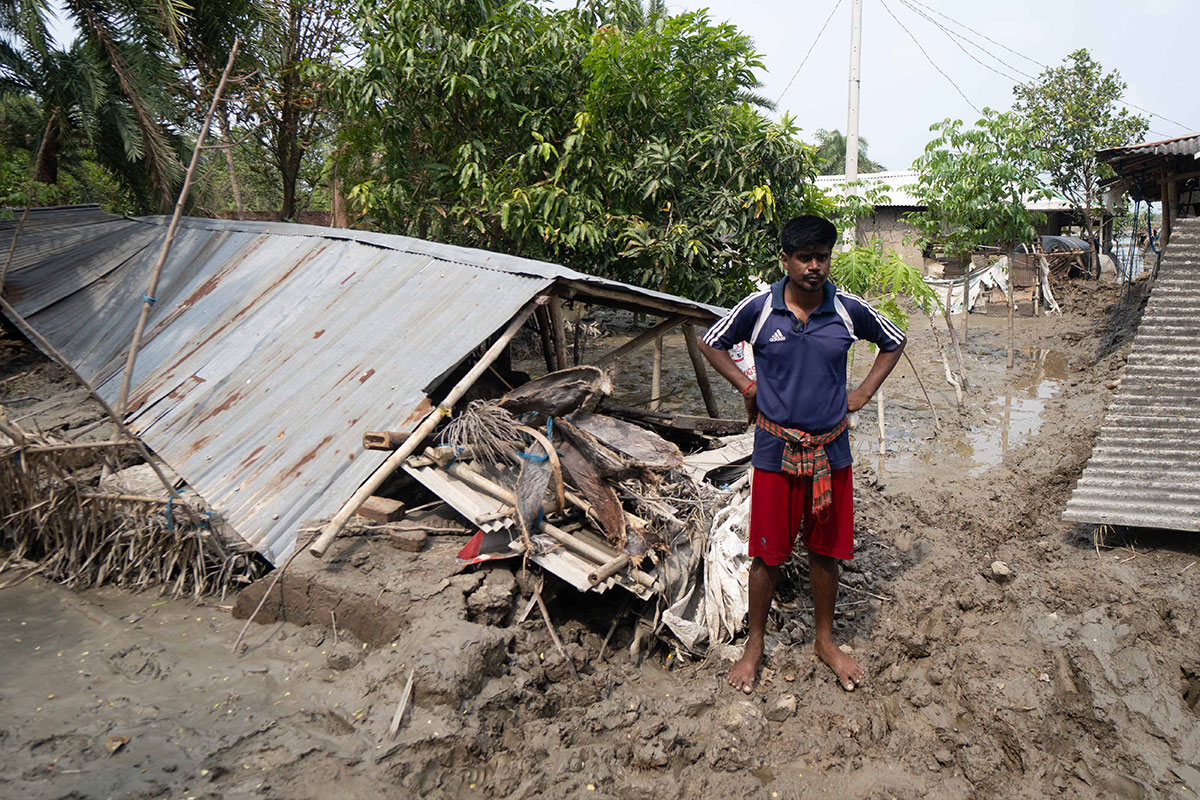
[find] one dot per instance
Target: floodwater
(1007, 422)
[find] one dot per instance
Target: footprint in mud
(137, 664)
(62, 751)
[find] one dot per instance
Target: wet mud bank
(1009, 654)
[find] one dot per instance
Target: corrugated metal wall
(1145, 468)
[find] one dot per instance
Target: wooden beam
(543, 322)
(558, 331)
(645, 336)
(656, 376)
(633, 302)
(700, 366)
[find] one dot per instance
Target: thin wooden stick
(426, 427)
(402, 706)
(262, 601)
(656, 376)
(148, 301)
(56, 448)
(937, 426)
(537, 594)
(37, 166)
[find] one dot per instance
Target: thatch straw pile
(83, 538)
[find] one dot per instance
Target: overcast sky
(1149, 42)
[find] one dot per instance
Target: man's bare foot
(850, 673)
(744, 674)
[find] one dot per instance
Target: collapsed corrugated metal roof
(1145, 467)
(272, 347)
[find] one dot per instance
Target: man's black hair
(807, 230)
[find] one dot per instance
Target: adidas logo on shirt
(777, 336)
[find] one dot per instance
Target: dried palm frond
(488, 431)
(82, 538)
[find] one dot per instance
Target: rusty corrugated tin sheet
(1145, 468)
(271, 348)
(1188, 145)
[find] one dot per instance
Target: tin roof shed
(272, 346)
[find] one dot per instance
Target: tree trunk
(223, 121)
(48, 171)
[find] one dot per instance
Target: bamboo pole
(639, 340)
(1012, 292)
(50, 350)
(558, 331)
(966, 297)
(656, 376)
(37, 167)
(879, 417)
(962, 367)
(148, 301)
(577, 344)
(608, 569)
(699, 365)
(331, 529)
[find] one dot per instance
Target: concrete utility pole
(852, 111)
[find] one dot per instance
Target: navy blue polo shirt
(801, 367)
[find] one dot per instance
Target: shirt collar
(778, 304)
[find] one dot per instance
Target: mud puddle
(1008, 421)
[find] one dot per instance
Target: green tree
(831, 154)
(611, 138)
(1070, 112)
(976, 184)
(111, 88)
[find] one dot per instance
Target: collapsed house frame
(273, 348)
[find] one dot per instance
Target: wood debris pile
(83, 536)
(592, 497)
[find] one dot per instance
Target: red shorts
(780, 504)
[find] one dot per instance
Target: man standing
(801, 329)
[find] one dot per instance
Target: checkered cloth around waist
(804, 455)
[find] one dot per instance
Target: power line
(1032, 60)
(982, 35)
(836, 6)
(927, 58)
(955, 37)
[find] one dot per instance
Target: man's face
(808, 267)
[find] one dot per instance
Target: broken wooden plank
(679, 422)
(384, 440)
(644, 447)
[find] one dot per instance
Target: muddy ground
(1076, 674)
